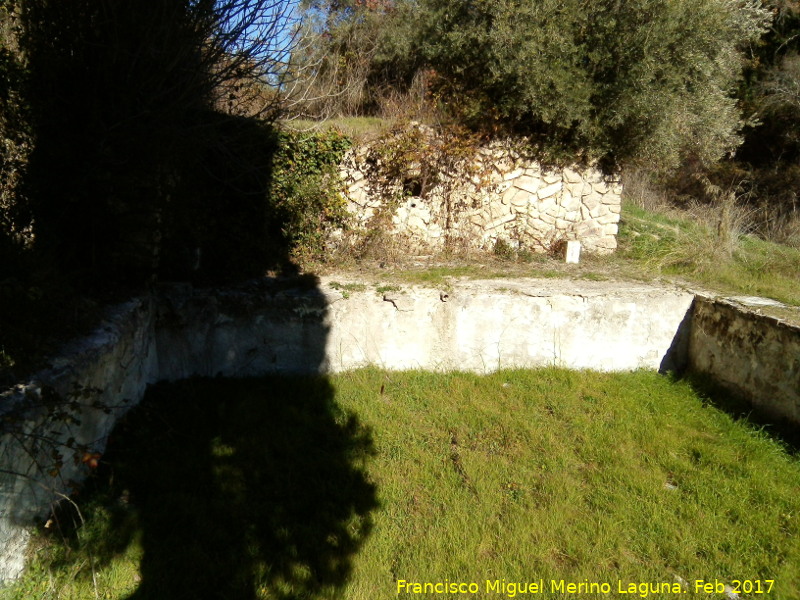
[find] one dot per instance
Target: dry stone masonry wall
(496, 195)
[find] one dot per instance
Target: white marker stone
(573, 252)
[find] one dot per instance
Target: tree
(333, 62)
(120, 94)
(641, 80)
(16, 143)
(644, 80)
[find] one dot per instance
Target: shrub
(305, 194)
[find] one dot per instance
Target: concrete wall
(103, 374)
(267, 327)
(474, 325)
(755, 356)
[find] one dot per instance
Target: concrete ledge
(756, 357)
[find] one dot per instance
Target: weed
(502, 249)
(383, 288)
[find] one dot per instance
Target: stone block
(546, 204)
(554, 211)
(593, 176)
(592, 201)
(545, 218)
(599, 211)
(510, 194)
(572, 216)
(608, 219)
(528, 183)
(501, 187)
(533, 170)
(537, 227)
(562, 224)
(611, 229)
(521, 200)
(578, 189)
(549, 190)
(605, 243)
(502, 220)
(497, 208)
(572, 176)
(513, 174)
(585, 213)
(601, 187)
(570, 202)
(551, 177)
(588, 229)
(615, 208)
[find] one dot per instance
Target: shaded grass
(518, 475)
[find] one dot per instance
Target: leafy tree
(644, 80)
(120, 95)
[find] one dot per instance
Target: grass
(340, 487)
(679, 246)
(667, 245)
(358, 128)
(347, 288)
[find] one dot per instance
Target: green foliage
(15, 143)
(647, 82)
(769, 159)
(305, 194)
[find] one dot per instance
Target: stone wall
(497, 194)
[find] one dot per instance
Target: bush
(650, 82)
(305, 194)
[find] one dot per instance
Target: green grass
(346, 288)
(358, 128)
(339, 487)
(673, 246)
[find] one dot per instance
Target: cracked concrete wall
(476, 326)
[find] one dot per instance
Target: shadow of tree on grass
(242, 489)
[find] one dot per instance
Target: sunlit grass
(672, 245)
(519, 475)
(358, 128)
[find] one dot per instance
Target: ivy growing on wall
(306, 192)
